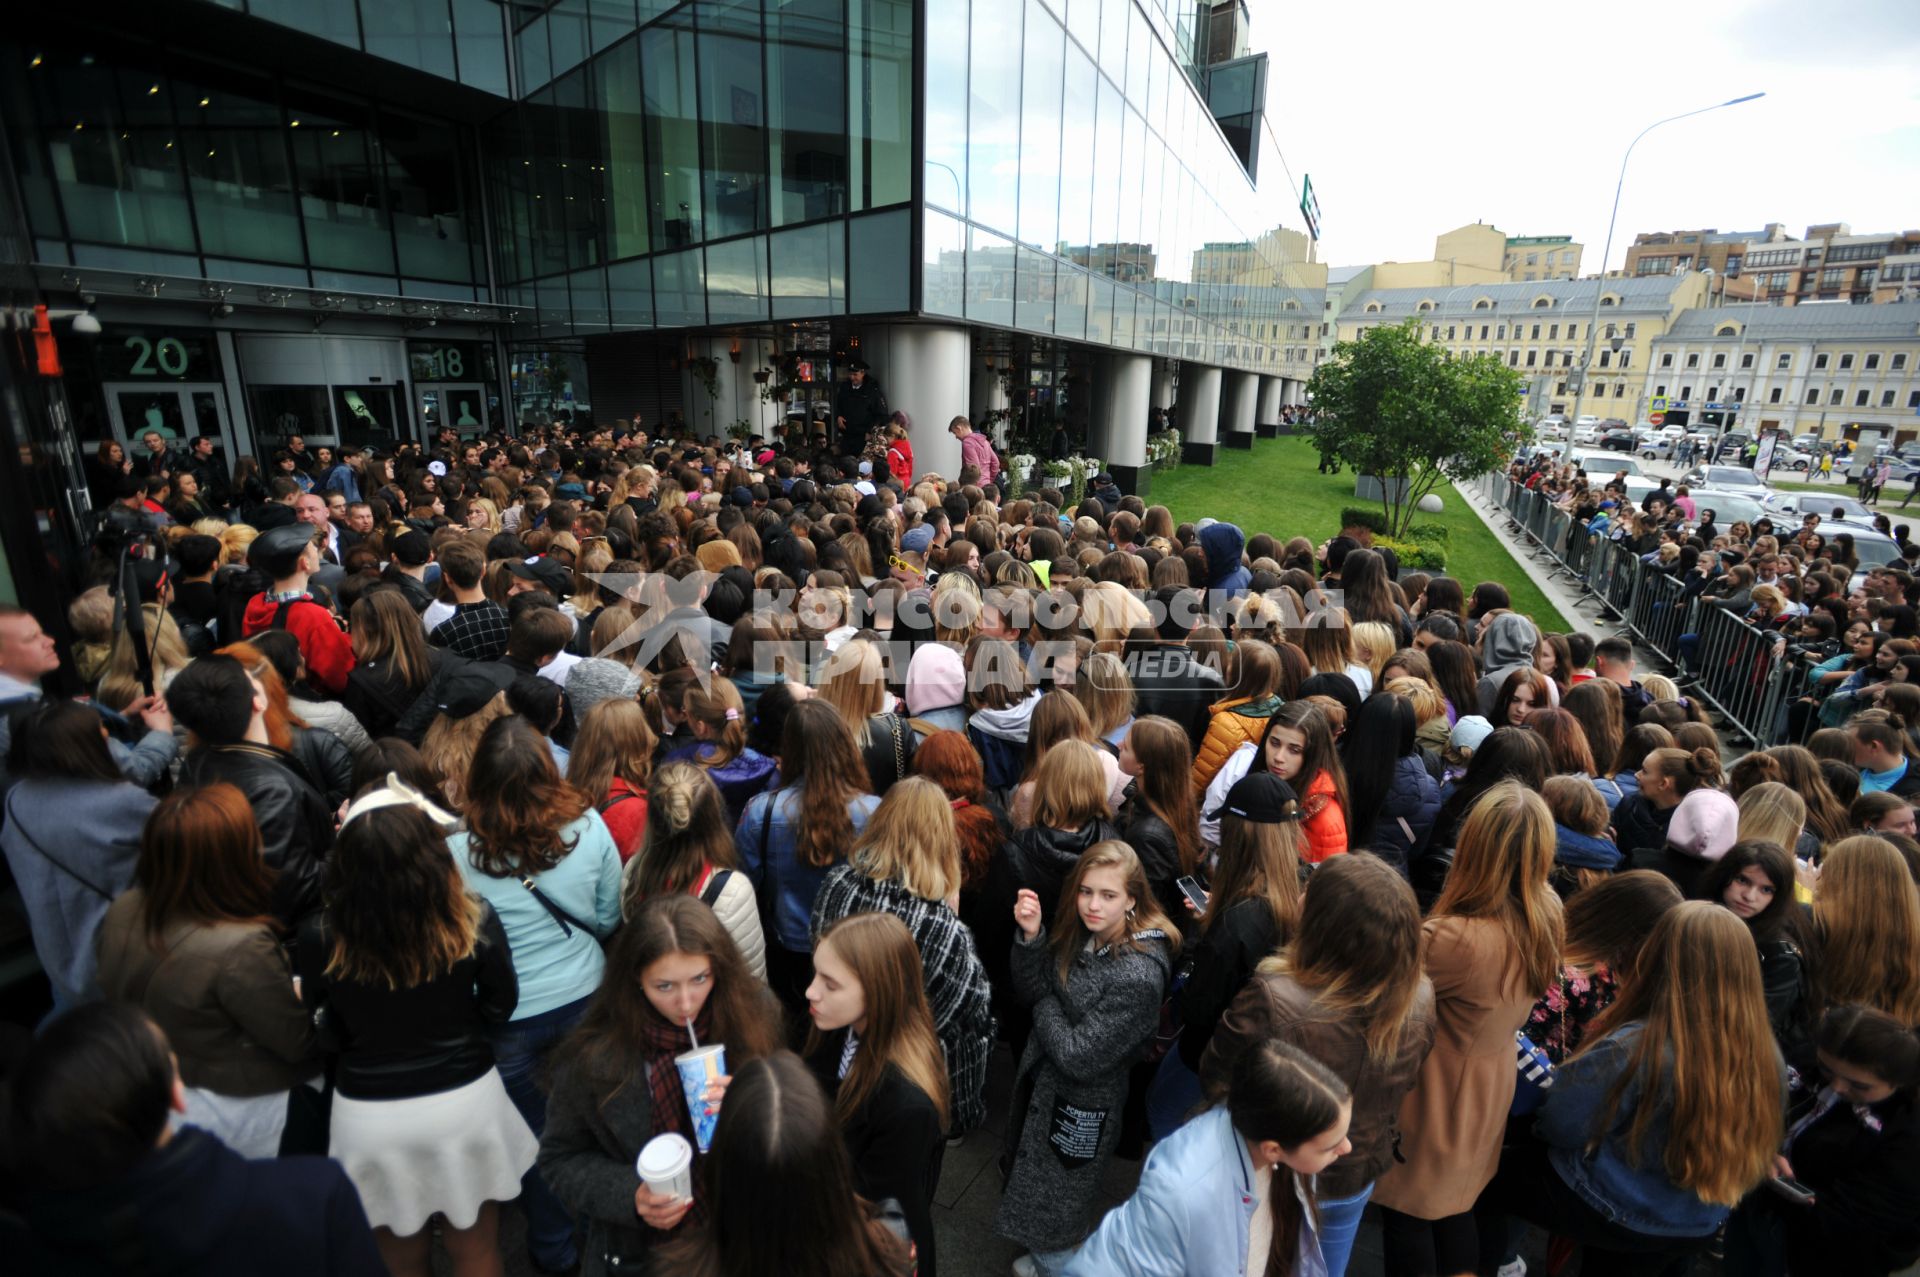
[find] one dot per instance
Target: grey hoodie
(1508, 646)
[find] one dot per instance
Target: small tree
(1392, 406)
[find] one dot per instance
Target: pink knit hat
(936, 679)
(1704, 825)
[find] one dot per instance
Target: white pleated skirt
(448, 1153)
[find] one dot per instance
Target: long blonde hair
(1770, 812)
(450, 744)
(615, 739)
(1704, 1040)
(1105, 690)
(899, 1032)
(1069, 787)
(1867, 915)
(1500, 868)
(910, 839)
(853, 681)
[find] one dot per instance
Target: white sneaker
(1515, 1267)
(1025, 1267)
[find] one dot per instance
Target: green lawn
(1278, 489)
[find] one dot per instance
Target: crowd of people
(665, 837)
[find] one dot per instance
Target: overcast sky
(1414, 118)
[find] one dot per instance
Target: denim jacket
(767, 839)
(1635, 1195)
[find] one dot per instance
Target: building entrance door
(462, 407)
(179, 411)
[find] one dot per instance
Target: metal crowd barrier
(1739, 669)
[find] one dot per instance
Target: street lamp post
(1600, 280)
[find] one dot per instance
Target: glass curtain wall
(142, 159)
(1076, 185)
(720, 164)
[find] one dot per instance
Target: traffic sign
(1658, 403)
(1657, 418)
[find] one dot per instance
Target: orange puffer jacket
(1326, 823)
(1235, 723)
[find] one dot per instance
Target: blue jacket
(1584, 851)
(345, 481)
(739, 778)
(1407, 812)
(1223, 544)
(1191, 1213)
(767, 839)
(1637, 1196)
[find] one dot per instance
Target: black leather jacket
(296, 826)
(396, 1043)
(328, 763)
(1172, 684)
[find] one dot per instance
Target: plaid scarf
(663, 1040)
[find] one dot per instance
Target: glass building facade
(577, 192)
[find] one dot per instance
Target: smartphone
(1791, 1189)
(1190, 888)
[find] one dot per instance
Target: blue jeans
(1339, 1225)
(520, 1050)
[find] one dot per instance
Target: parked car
(1586, 433)
(1618, 438)
(1657, 447)
(1798, 505)
(1728, 507)
(1789, 458)
(1807, 443)
(1726, 478)
(1603, 463)
(1673, 432)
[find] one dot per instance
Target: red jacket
(900, 462)
(625, 812)
(328, 651)
(1326, 824)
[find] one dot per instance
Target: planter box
(1235, 439)
(1135, 481)
(1269, 431)
(1197, 453)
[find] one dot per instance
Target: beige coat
(1452, 1121)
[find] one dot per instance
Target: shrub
(1354, 517)
(1415, 556)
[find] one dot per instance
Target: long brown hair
(386, 628)
(719, 709)
(1165, 784)
(610, 1045)
(1500, 868)
(1258, 860)
(910, 840)
(949, 761)
(1278, 1092)
(614, 740)
(1565, 739)
(1597, 704)
(1608, 923)
(1800, 772)
(1866, 913)
(398, 909)
(818, 756)
(1069, 787)
(1357, 949)
(200, 861)
(1070, 934)
(517, 803)
(687, 831)
(1705, 1042)
(899, 1033)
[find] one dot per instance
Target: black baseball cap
(550, 574)
(472, 688)
(412, 548)
(1262, 798)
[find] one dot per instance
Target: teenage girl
(1298, 747)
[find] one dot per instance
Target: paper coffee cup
(700, 1069)
(666, 1166)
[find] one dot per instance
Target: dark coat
(895, 1142)
(1088, 1031)
(196, 1206)
(1038, 859)
(1639, 826)
(1406, 813)
(1152, 840)
(296, 825)
(1224, 958)
(1170, 683)
(864, 407)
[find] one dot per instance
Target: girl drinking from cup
(1095, 989)
(674, 977)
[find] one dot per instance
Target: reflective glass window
(1106, 178)
(810, 271)
(1083, 23)
(413, 33)
(943, 265)
(113, 152)
(1113, 38)
(679, 289)
(237, 168)
(1077, 149)
(623, 151)
(548, 216)
(429, 195)
(993, 124)
(732, 118)
(589, 288)
(576, 141)
(1100, 310)
(341, 203)
(630, 293)
(1132, 167)
(880, 101)
(530, 43)
(1033, 295)
(567, 35)
(990, 263)
(673, 134)
(481, 45)
(335, 22)
(945, 146)
(806, 93)
(737, 280)
(1070, 301)
(607, 21)
(881, 250)
(1040, 129)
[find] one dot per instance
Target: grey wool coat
(587, 1156)
(1072, 1080)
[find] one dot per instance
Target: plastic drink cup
(666, 1166)
(699, 1069)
